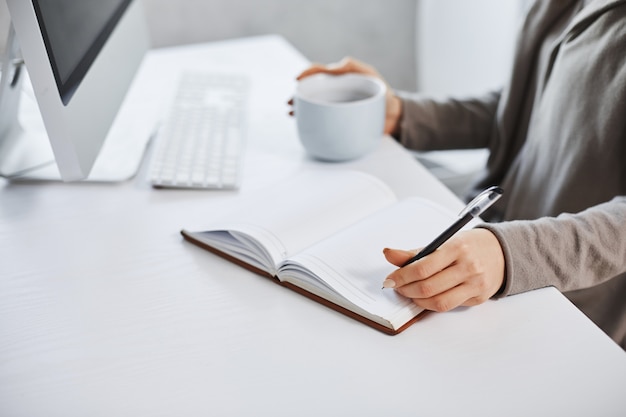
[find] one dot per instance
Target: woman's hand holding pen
(351, 65)
(465, 271)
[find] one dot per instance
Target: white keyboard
(201, 141)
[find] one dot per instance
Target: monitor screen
(74, 33)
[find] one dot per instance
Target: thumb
(332, 69)
(398, 256)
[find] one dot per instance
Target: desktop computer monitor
(81, 57)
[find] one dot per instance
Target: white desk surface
(104, 310)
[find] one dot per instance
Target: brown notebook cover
(301, 291)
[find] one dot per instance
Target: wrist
(393, 115)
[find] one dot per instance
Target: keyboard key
(201, 142)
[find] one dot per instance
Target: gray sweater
(557, 141)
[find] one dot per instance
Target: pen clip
(482, 202)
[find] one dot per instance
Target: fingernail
(388, 283)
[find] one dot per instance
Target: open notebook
(322, 234)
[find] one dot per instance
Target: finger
(420, 269)
(446, 301)
(349, 64)
(346, 65)
(474, 301)
(434, 285)
(313, 69)
(398, 257)
(320, 69)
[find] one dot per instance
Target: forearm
(429, 124)
(571, 251)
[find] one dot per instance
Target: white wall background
(465, 47)
(441, 46)
(4, 24)
(378, 31)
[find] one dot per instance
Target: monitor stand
(25, 151)
(21, 151)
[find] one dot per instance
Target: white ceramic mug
(340, 117)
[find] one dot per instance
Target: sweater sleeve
(569, 252)
(433, 124)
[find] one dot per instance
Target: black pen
(475, 208)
